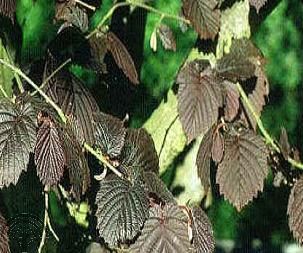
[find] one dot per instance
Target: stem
(99, 156)
(36, 87)
(90, 7)
(102, 159)
(106, 17)
(156, 11)
(264, 132)
(3, 91)
(52, 75)
(18, 80)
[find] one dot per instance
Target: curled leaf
(122, 210)
(167, 37)
(164, 231)
(122, 57)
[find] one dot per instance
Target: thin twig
(3, 91)
(102, 159)
(87, 6)
(264, 132)
(52, 75)
(99, 156)
(46, 222)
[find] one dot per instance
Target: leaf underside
(122, 210)
(199, 98)
(110, 134)
(17, 139)
(164, 231)
(122, 57)
(49, 153)
(244, 167)
(295, 210)
(203, 238)
(204, 16)
(4, 243)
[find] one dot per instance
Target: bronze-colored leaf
(204, 15)
(199, 98)
(204, 158)
(68, 92)
(71, 14)
(240, 63)
(258, 4)
(122, 210)
(4, 242)
(203, 238)
(232, 103)
(139, 152)
(77, 166)
(164, 231)
(167, 37)
(17, 139)
(98, 45)
(156, 187)
(110, 134)
(8, 8)
(49, 153)
(217, 149)
(295, 210)
(244, 167)
(122, 57)
(257, 98)
(285, 146)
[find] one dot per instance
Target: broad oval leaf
(204, 15)
(203, 238)
(8, 8)
(204, 158)
(165, 231)
(139, 152)
(75, 100)
(244, 167)
(49, 153)
(110, 134)
(240, 62)
(167, 37)
(122, 57)
(17, 139)
(4, 242)
(122, 210)
(295, 210)
(199, 98)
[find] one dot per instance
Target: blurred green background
(262, 225)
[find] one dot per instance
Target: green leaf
(164, 231)
(100, 13)
(17, 139)
(6, 76)
(122, 210)
(4, 242)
